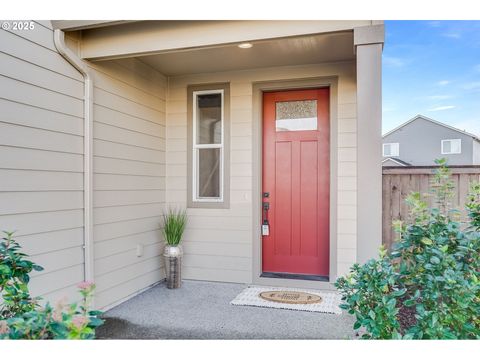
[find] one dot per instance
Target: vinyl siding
(218, 243)
(129, 177)
(41, 158)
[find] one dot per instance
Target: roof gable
(421, 117)
(396, 161)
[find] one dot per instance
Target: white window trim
(196, 147)
(450, 153)
(389, 155)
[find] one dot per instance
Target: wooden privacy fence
(398, 182)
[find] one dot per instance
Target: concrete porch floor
(202, 310)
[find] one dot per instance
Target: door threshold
(294, 276)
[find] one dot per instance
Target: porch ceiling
(278, 52)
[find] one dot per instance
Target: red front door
(296, 176)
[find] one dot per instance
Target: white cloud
(472, 85)
(439, 97)
(394, 61)
(443, 82)
(434, 23)
(452, 35)
(441, 108)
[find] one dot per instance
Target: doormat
(291, 297)
(262, 297)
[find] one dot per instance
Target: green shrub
(371, 293)
(429, 286)
(22, 317)
(14, 278)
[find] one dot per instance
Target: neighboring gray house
(421, 140)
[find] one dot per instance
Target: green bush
(429, 286)
(22, 317)
(14, 278)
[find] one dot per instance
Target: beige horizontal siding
(25, 93)
(15, 45)
(41, 157)
(117, 261)
(41, 160)
(117, 245)
(127, 182)
(23, 202)
(35, 117)
(15, 68)
(128, 288)
(41, 36)
(110, 149)
(30, 180)
(129, 177)
(128, 228)
(59, 260)
(47, 242)
(42, 222)
(56, 281)
(28, 137)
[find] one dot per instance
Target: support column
(368, 45)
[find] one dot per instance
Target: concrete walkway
(202, 310)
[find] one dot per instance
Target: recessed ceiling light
(245, 46)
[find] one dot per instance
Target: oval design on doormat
(291, 297)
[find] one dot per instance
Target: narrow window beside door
(208, 135)
(208, 145)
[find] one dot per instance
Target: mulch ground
(406, 317)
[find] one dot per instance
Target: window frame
(197, 147)
(391, 155)
(193, 148)
(451, 153)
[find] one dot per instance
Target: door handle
(265, 208)
(265, 225)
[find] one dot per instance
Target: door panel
(296, 173)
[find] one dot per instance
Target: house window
(451, 146)
(391, 149)
(208, 131)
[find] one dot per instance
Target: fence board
(398, 182)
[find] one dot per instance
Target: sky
(432, 68)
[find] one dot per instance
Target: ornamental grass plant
(174, 222)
